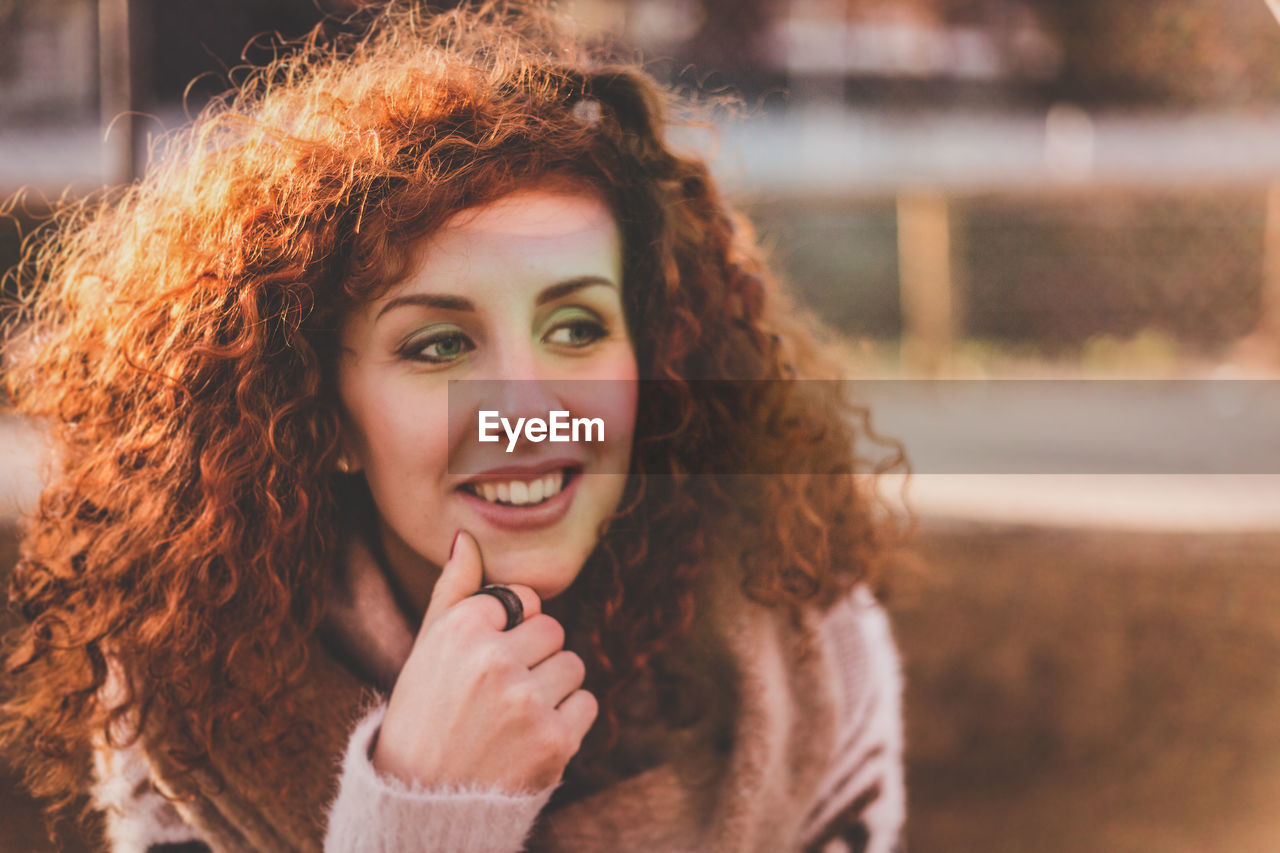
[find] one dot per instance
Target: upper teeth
(521, 492)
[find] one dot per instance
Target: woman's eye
(578, 332)
(440, 348)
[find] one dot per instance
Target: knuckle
(554, 630)
(464, 618)
(493, 660)
(548, 738)
(532, 603)
(560, 749)
(590, 705)
(576, 665)
(568, 745)
(523, 700)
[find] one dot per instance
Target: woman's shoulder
(838, 662)
(818, 698)
(859, 639)
(862, 798)
(866, 670)
(853, 632)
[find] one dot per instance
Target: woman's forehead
(528, 239)
(535, 212)
(520, 229)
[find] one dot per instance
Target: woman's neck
(412, 576)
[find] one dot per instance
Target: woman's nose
(508, 404)
(514, 359)
(524, 398)
(520, 384)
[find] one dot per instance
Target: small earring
(343, 465)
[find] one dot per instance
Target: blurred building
(1095, 52)
(835, 48)
(48, 59)
(1086, 173)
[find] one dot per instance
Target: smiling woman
(278, 596)
(527, 289)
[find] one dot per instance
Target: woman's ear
(348, 462)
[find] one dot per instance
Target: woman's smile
(522, 492)
(524, 502)
(508, 309)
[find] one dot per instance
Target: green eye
(576, 328)
(440, 347)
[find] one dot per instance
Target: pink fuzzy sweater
(816, 762)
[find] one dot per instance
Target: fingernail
(454, 546)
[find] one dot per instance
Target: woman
(253, 585)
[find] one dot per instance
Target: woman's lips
(521, 516)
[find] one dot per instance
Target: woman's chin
(547, 579)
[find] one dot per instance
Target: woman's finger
(579, 711)
(538, 638)
(460, 577)
(558, 676)
(494, 612)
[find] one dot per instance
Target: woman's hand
(475, 705)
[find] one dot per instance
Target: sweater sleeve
(861, 806)
(381, 814)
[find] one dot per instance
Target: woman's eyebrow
(564, 288)
(429, 300)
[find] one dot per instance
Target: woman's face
(527, 289)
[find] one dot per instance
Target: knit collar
(364, 623)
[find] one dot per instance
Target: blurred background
(965, 189)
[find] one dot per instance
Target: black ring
(510, 602)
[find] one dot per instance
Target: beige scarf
(784, 724)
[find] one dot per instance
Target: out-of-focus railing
(1133, 181)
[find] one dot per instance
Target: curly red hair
(179, 339)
